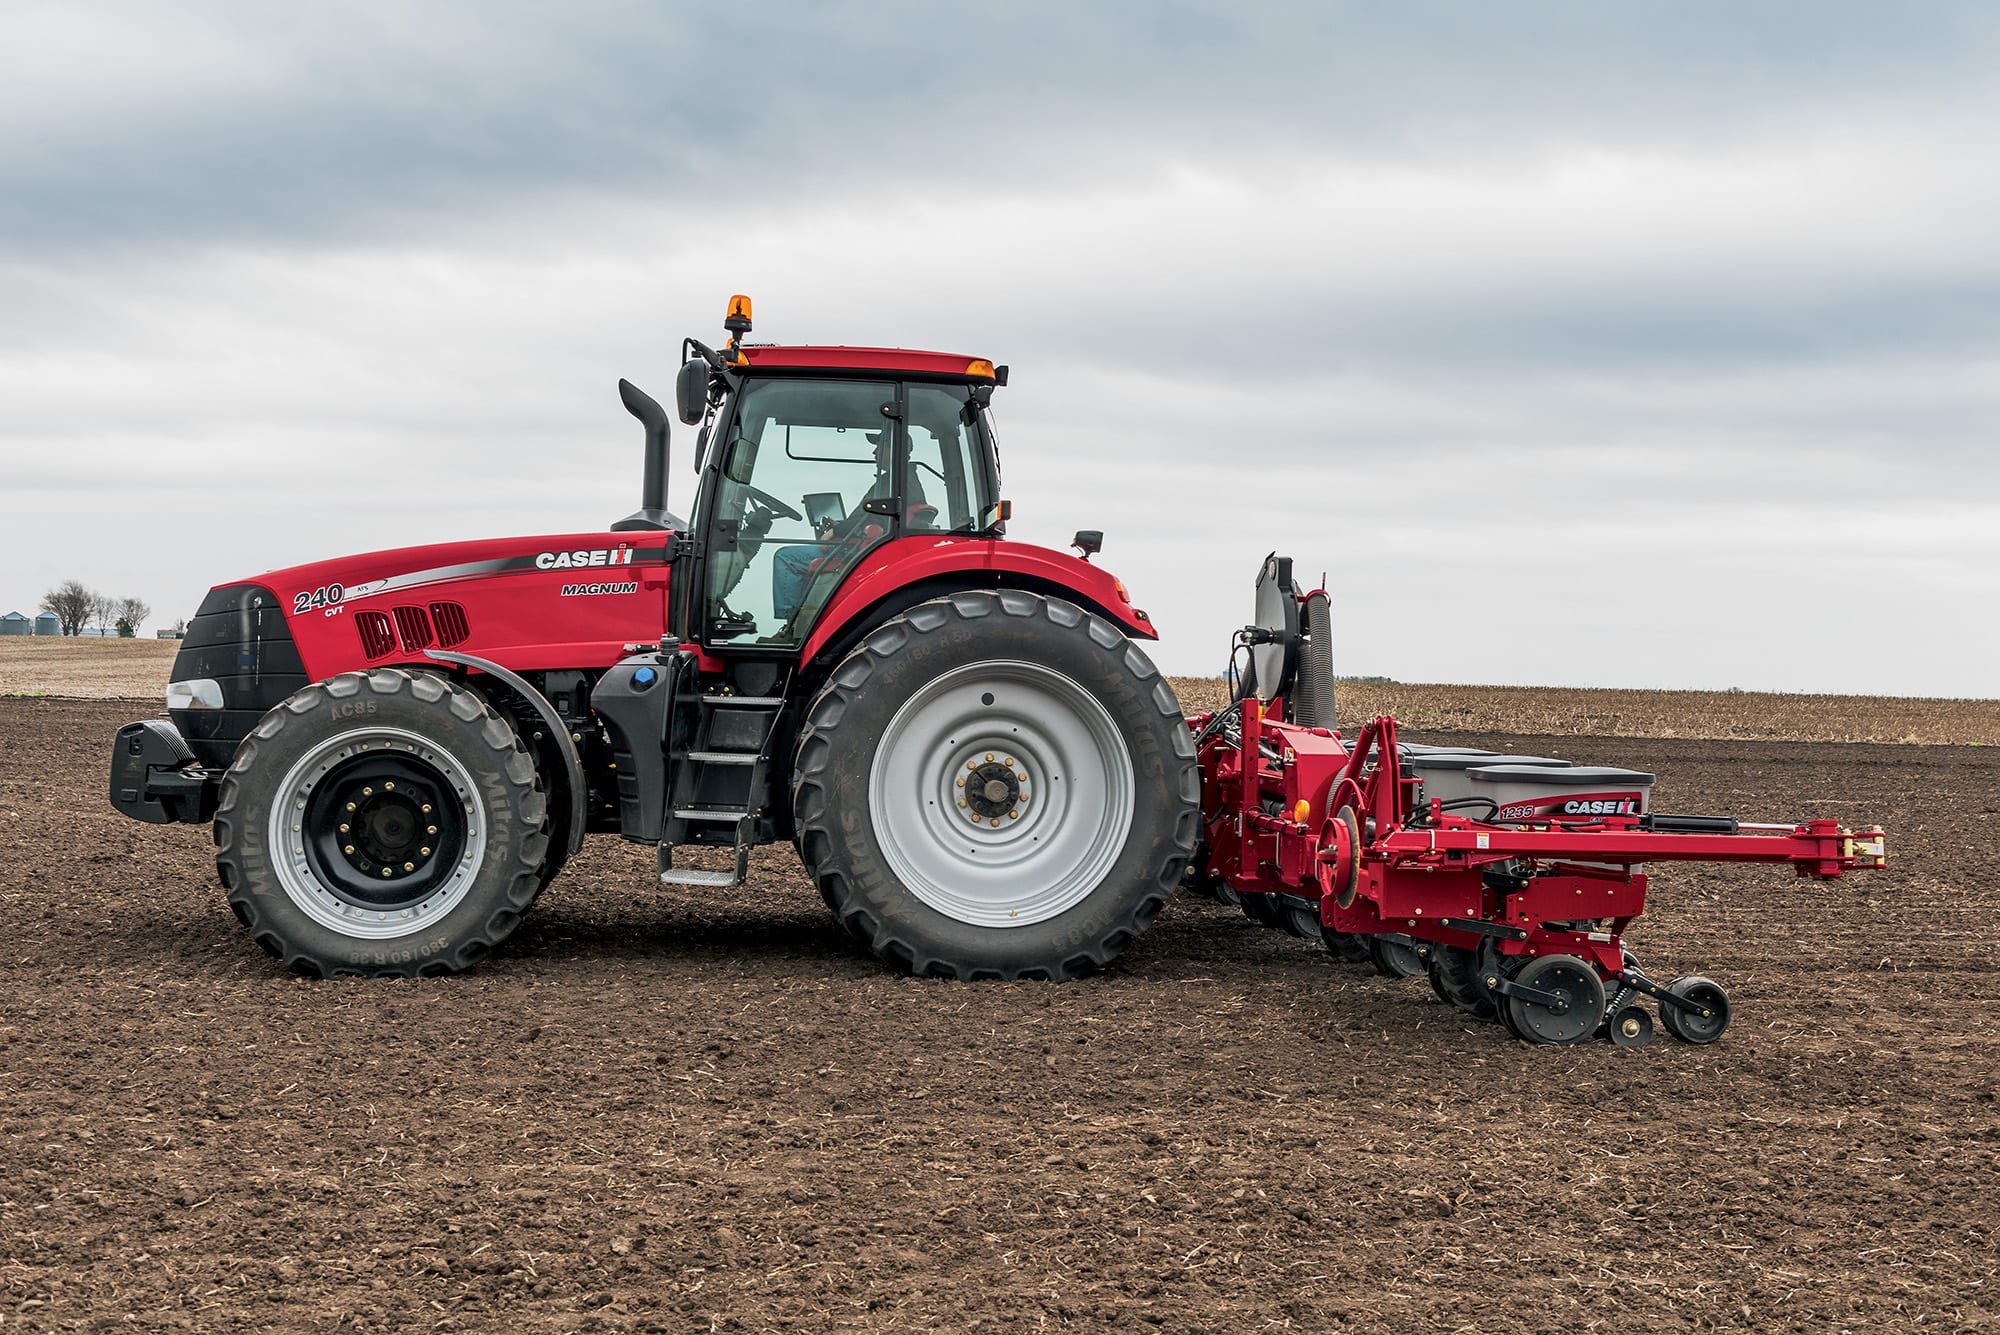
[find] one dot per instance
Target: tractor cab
(810, 459)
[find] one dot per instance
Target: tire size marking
(406, 955)
(326, 595)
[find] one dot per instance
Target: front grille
(377, 638)
(449, 619)
(414, 625)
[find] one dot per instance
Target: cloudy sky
(1636, 344)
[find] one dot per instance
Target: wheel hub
(995, 790)
(381, 833)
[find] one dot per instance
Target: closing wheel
(1455, 975)
(1704, 1025)
(1303, 923)
(387, 822)
(1396, 959)
(996, 785)
(1347, 947)
(1577, 1010)
(1631, 1027)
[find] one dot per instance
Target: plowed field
(659, 1111)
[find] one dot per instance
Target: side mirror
(691, 391)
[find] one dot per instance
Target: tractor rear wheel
(387, 822)
(996, 784)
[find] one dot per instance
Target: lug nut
(996, 821)
(409, 866)
(961, 801)
(388, 871)
(343, 829)
(1013, 815)
(1008, 762)
(350, 806)
(430, 829)
(961, 781)
(989, 755)
(349, 850)
(366, 791)
(388, 787)
(423, 852)
(427, 808)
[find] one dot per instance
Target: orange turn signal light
(979, 366)
(1301, 810)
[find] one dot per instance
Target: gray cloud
(230, 121)
(1650, 345)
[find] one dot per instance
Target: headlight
(200, 693)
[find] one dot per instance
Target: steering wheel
(768, 501)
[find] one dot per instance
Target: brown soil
(658, 1111)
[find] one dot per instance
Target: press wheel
(1697, 1026)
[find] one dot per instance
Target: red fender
(906, 561)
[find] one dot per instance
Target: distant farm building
(48, 623)
(14, 623)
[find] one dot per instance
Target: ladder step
(698, 876)
(724, 757)
(743, 701)
(690, 813)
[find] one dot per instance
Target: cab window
(802, 464)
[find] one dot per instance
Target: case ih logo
(1601, 806)
(1551, 808)
(615, 556)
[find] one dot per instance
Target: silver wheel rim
(288, 838)
(1014, 851)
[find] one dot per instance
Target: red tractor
(982, 771)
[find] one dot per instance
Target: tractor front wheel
(996, 785)
(387, 822)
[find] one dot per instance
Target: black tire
(1455, 974)
(853, 724)
(489, 865)
(1347, 947)
(1692, 1026)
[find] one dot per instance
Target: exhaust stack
(652, 511)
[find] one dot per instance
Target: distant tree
(71, 603)
(132, 614)
(102, 609)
